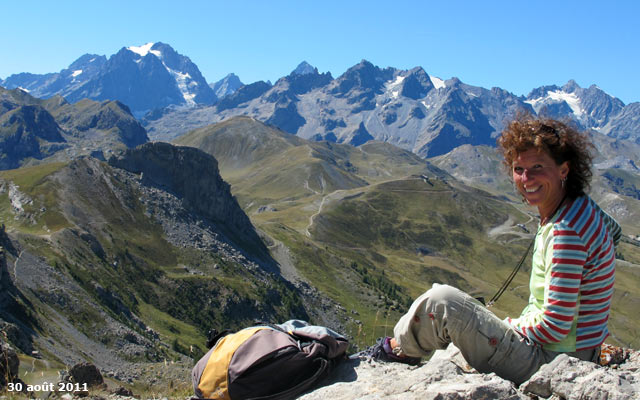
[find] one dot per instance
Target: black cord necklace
(513, 273)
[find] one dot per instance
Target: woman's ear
(564, 169)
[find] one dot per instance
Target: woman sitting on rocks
(572, 272)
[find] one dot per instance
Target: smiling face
(539, 179)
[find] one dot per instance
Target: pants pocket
(503, 350)
(516, 358)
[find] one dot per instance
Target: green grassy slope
(270, 168)
(374, 249)
(86, 222)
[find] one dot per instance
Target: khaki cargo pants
(446, 315)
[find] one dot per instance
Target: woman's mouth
(531, 189)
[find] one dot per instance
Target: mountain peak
(571, 86)
(365, 71)
(416, 83)
(226, 86)
(144, 49)
(304, 68)
(87, 59)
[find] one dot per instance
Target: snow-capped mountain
(591, 108)
(226, 86)
(142, 77)
(408, 108)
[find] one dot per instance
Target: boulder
(123, 391)
(85, 373)
(569, 378)
(15, 336)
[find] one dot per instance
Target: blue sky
(516, 45)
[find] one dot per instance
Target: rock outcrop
(193, 176)
(85, 373)
(9, 363)
(447, 376)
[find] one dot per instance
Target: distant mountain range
(409, 108)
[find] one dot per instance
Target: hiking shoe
(382, 351)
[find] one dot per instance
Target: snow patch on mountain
(437, 82)
(394, 86)
(571, 99)
(76, 73)
(144, 50)
(184, 82)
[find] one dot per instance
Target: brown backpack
(267, 362)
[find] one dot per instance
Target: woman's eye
(537, 166)
(518, 170)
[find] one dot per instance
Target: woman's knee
(446, 294)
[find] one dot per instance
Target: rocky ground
(446, 376)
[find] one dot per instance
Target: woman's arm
(564, 262)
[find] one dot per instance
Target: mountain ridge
(34, 130)
(407, 108)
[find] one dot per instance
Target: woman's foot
(387, 349)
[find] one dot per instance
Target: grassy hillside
(93, 265)
(374, 249)
(273, 169)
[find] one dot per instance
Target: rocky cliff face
(193, 176)
(5, 279)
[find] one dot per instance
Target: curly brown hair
(560, 140)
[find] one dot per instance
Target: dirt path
(15, 267)
(282, 255)
(509, 227)
(337, 194)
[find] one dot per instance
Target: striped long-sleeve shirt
(572, 279)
